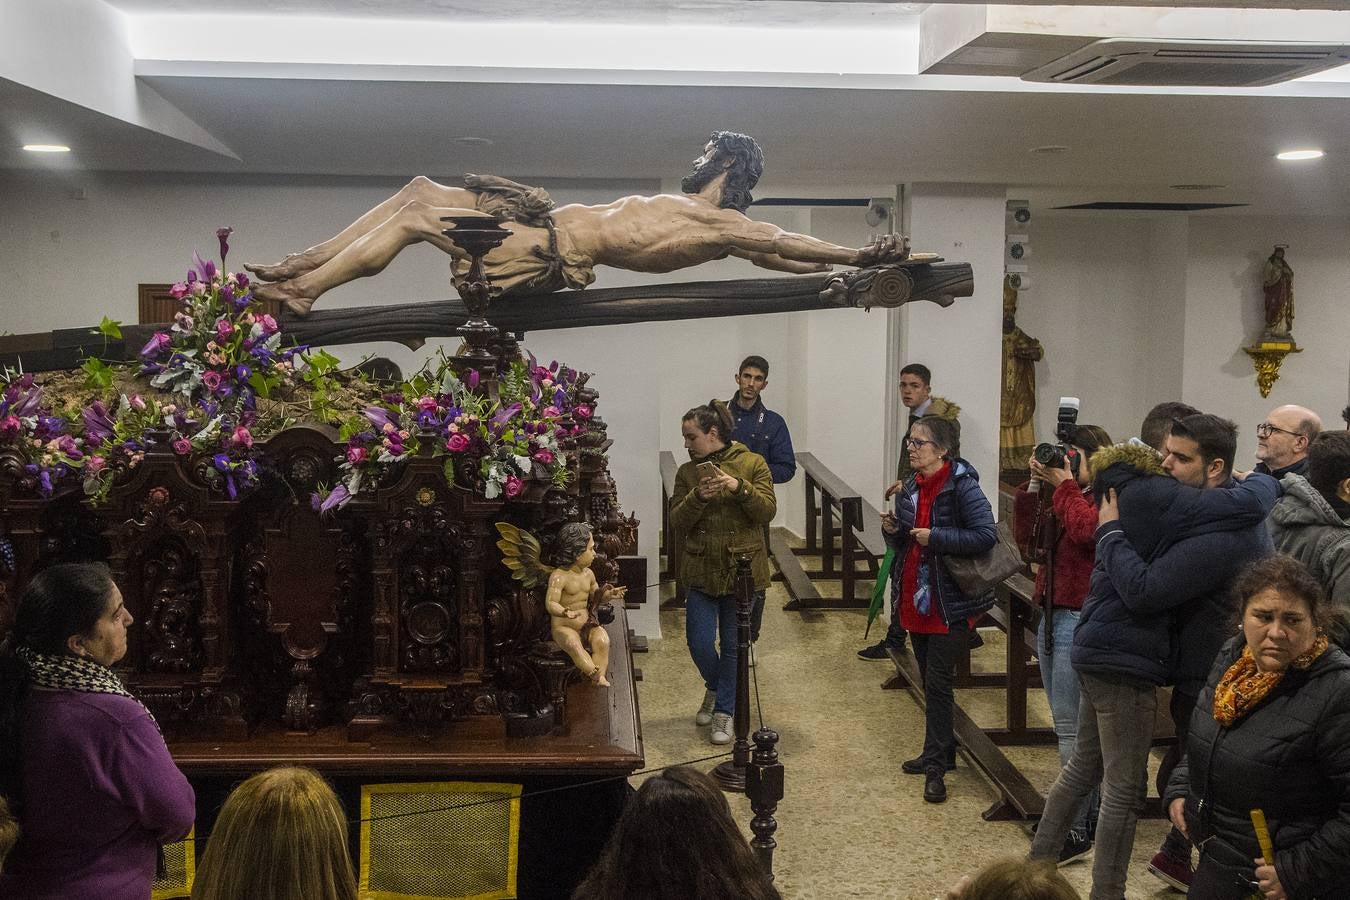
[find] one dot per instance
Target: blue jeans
(709, 621)
(1061, 690)
(1115, 730)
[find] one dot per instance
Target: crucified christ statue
(550, 249)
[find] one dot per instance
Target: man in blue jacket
(1189, 581)
(764, 432)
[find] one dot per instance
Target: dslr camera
(1052, 456)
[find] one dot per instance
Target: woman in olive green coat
(723, 498)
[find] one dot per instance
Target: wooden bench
(838, 525)
(802, 590)
(671, 542)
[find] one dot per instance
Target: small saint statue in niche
(1021, 352)
(573, 594)
(1277, 284)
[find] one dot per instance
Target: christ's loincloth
(553, 264)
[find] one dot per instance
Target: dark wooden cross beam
(889, 285)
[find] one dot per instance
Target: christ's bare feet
(283, 292)
(598, 678)
(294, 264)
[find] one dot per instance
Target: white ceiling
(830, 130)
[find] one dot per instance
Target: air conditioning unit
(1130, 45)
(1117, 61)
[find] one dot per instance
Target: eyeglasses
(1265, 428)
(917, 443)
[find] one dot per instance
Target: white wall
(1224, 312)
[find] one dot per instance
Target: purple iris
(242, 372)
(498, 422)
(221, 461)
(426, 418)
(560, 398)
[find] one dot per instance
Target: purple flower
(204, 269)
(336, 498)
(66, 445)
(44, 483)
(231, 490)
(356, 455)
(498, 422)
(158, 342)
(223, 235)
(242, 372)
(182, 446)
(582, 411)
(472, 378)
(221, 461)
(98, 425)
(426, 418)
(227, 293)
(514, 486)
(211, 380)
(179, 290)
(378, 416)
(224, 328)
(241, 279)
(457, 443)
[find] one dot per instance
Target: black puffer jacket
(1289, 757)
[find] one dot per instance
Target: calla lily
(378, 416)
(223, 235)
(98, 425)
(204, 269)
(336, 498)
(498, 422)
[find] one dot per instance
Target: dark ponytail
(59, 601)
(713, 414)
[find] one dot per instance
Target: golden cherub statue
(573, 592)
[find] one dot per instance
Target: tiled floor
(851, 825)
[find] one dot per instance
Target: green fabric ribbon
(879, 588)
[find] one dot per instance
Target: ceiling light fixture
(1050, 148)
(46, 148)
(1197, 187)
(472, 141)
(1299, 154)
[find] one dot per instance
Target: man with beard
(550, 249)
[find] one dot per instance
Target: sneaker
(919, 767)
(705, 711)
(934, 790)
(878, 651)
(1076, 847)
(1173, 872)
(721, 728)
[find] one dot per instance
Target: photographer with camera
(1055, 518)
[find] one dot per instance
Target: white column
(961, 344)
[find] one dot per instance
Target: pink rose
(457, 443)
(552, 412)
(94, 465)
(9, 426)
(356, 455)
(182, 446)
(211, 380)
(514, 486)
(242, 437)
(224, 328)
(544, 456)
(427, 403)
(269, 324)
(137, 402)
(582, 411)
(179, 290)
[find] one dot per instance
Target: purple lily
(204, 268)
(336, 498)
(98, 425)
(378, 416)
(29, 403)
(223, 235)
(472, 378)
(498, 422)
(158, 341)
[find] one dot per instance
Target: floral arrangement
(221, 378)
(513, 439)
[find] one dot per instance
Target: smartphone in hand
(708, 470)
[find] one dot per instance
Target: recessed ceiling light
(1050, 148)
(1197, 187)
(1300, 154)
(46, 148)
(472, 141)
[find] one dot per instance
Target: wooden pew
(838, 525)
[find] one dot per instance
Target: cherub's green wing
(520, 554)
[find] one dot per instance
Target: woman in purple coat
(94, 787)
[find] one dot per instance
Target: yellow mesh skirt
(439, 841)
